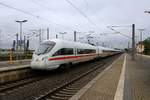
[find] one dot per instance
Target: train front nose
(38, 63)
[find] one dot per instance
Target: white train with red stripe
(55, 53)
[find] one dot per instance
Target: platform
(4, 64)
(13, 73)
(124, 79)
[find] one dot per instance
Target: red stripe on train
(69, 57)
(62, 58)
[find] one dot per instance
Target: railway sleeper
(64, 92)
(13, 85)
(73, 88)
(58, 98)
(63, 95)
(78, 85)
(70, 90)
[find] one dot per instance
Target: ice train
(55, 53)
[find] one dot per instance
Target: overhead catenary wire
(46, 8)
(39, 4)
(25, 12)
(86, 3)
(122, 26)
(82, 13)
(119, 33)
(30, 14)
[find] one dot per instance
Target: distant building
(140, 47)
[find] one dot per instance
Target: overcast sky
(60, 16)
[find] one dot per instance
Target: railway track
(17, 84)
(11, 86)
(68, 89)
(14, 85)
(20, 83)
(61, 91)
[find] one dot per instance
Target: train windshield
(45, 48)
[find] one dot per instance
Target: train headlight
(44, 58)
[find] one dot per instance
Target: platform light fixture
(20, 22)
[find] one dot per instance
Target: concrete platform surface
(4, 64)
(124, 79)
(4, 69)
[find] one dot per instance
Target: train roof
(72, 44)
(80, 45)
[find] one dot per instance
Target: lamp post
(20, 22)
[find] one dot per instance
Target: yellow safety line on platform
(120, 87)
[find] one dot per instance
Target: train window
(80, 51)
(86, 51)
(45, 47)
(64, 51)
